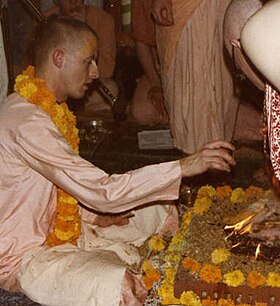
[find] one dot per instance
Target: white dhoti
(92, 274)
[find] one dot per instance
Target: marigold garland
(67, 226)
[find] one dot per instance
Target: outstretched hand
(162, 12)
(214, 155)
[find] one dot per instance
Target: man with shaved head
(48, 245)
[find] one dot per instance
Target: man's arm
(162, 12)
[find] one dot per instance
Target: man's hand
(108, 220)
(162, 12)
(214, 155)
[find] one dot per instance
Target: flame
(258, 251)
(241, 227)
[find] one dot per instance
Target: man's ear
(58, 57)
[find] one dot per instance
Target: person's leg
(67, 276)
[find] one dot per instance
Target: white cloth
(95, 270)
(67, 276)
(123, 240)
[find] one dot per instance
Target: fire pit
(250, 230)
(258, 234)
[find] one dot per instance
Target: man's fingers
(219, 144)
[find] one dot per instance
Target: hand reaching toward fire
(214, 155)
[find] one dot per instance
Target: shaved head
(57, 32)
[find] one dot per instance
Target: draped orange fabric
(182, 12)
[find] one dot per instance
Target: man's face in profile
(79, 67)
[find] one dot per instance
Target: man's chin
(78, 96)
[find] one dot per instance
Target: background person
(147, 105)
(198, 86)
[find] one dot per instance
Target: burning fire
(258, 233)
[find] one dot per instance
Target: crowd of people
(69, 230)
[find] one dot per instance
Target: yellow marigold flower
(220, 255)
(170, 273)
(28, 90)
(244, 304)
(238, 195)
(223, 192)
(150, 275)
(260, 304)
(64, 236)
(210, 274)
(273, 279)
(157, 243)
(206, 191)
(224, 302)
(191, 265)
(170, 300)
(208, 302)
(166, 294)
(201, 205)
(255, 279)
(190, 298)
(253, 192)
(235, 278)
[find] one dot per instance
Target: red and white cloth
(273, 126)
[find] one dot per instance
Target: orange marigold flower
(210, 274)
(255, 279)
(208, 302)
(66, 209)
(253, 192)
(191, 265)
(150, 274)
(223, 192)
(224, 302)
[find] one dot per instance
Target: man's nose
(93, 70)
